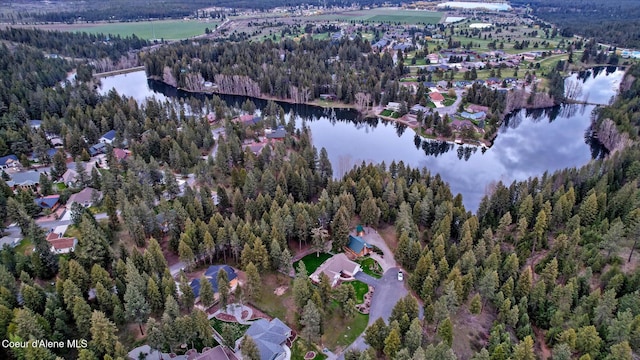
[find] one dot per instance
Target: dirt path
(545, 353)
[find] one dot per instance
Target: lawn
(282, 306)
(360, 288)
(300, 348)
(312, 262)
(371, 267)
(386, 112)
(163, 29)
(350, 329)
(25, 247)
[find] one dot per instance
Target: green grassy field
(165, 29)
(349, 330)
(312, 262)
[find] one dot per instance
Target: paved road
(387, 293)
(367, 279)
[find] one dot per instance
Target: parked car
(400, 275)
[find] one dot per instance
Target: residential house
(381, 44)
(279, 133)
(415, 109)
(473, 116)
(97, 149)
(51, 202)
(477, 108)
(108, 137)
(328, 97)
(443, 84)
(433, 58)
(247, 119)
(70, 177)
(25, 179)
(436, 98)
(212, 275)
(49, 153)
(35, 124)
(217, 353)
(357, 246)
(56, 141)
(336, 267)
(460, 124)
(121, 154)
(8, 161)
(272, 338)
(393, 106)
(62, 245)
(85, 197)
(493, 81)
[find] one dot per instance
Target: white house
(108, 137)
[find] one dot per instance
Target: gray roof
(269, 336)
(83, 196)
(25, 178)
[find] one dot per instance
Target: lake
(529, 142)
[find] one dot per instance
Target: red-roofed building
(63, 245)
(436, 98)
(121, 154)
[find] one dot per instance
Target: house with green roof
(357, 246)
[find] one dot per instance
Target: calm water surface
(528, 144)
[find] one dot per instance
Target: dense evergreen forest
(609, 22)
(549, 261)
(75, 45)
(298, 71)
(144, 9)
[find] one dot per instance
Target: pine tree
(413, 337)
(524, 350)
(254, 283)
(589, 210)
(340, 228)
(311, 320)
(154, 296)
(206, 292)
(476, 304)
(249, 349)
(392, 343)
(223, 288)
(135, 304)
(103, 333)
(445, 331)
(82, 315)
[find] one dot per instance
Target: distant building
(97, 149)
(393, 106)
(108, 137)
(247, 119)
(8, 161)
(279, 133)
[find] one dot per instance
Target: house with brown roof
(61, 245)
(85, 197)
(336, 267)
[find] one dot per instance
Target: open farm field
(161, 29)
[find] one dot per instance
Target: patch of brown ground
(541, 344)
(388, 233)
(471, 332)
